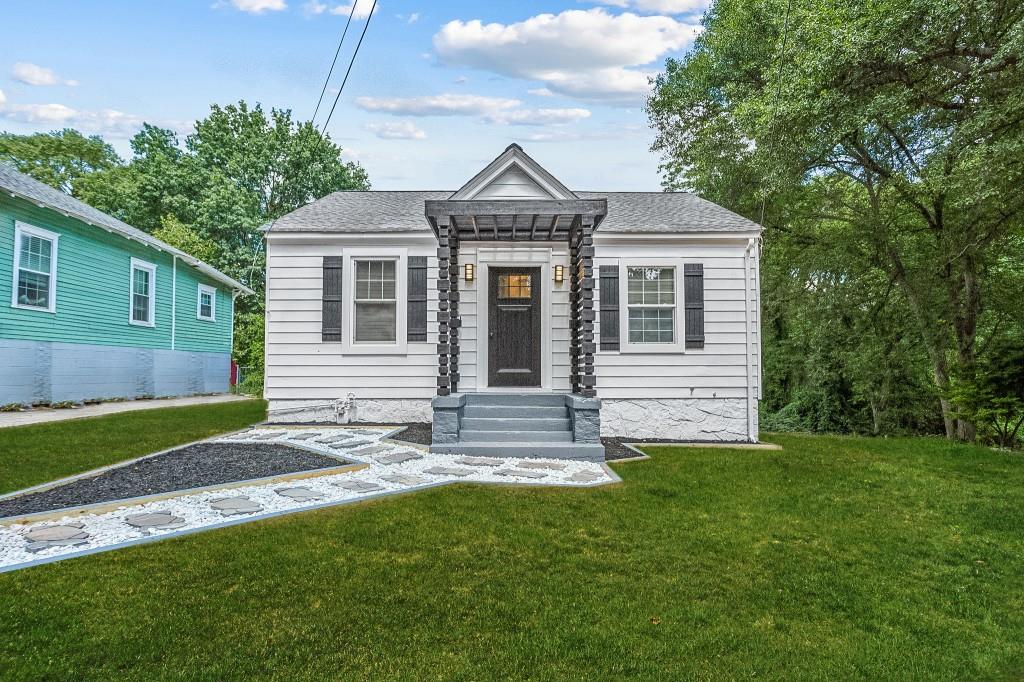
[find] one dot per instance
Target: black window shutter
(693, 296)
(416, 326)
(332, 302)
(609, 276)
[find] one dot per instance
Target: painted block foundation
(39, 372)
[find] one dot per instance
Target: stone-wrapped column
(444, 286)
(454, 320)
(588, 381)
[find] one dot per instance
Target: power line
(350, 63)
(330, 72)
(778, 94)
(337, 97)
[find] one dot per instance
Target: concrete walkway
(43, 415)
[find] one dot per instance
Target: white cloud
(538, 117)
(500, 110)
(259, 6)
(33, 74)
(662, 6)
(109, 122)
(413, 18)
(398, 130)
(541, 92)
(437, 105)
(362, 8)
(461, 80)
(587, 54)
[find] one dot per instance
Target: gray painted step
(485, 424)
(516, 399)
(506, 411)
(467, 436)
(576, 451)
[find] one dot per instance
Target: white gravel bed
(109, 530)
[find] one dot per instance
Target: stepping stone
(370, 450)
(68, 535)
(157, 520)
(335, 438)
(405, 479)
(363, 432)
(448, 471)
(267, 436)
(586, 477)
(398, 457)
(360, 486)
(304, 436)
(557, 466)
(234, 506)
(519, 473)
(300, 494)
(349, 444)
(481, 461)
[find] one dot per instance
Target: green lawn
(35, 454)
(835, 558)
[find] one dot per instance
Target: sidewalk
(43, 415)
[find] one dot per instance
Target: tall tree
(901, 119)
(59, 158)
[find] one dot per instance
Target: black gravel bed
(192, 466)
(417, 433)
(615, 448)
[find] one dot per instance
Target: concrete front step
(516, 399)
(467, 436)
(528, 424)
(507, 411)
(576, 451)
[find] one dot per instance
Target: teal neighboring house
(92, 308)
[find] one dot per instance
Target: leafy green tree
(898, 119)
(59, 158)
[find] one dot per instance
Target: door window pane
(514, 286)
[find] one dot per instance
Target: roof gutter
(150, 242)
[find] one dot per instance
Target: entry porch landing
(517, 424)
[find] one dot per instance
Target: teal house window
(143, 293)
(35, 268)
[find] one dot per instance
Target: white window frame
(212, 291)
(20, 229)
(678, 344)
(139, 264)
(348, 343)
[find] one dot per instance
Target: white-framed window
(142, 310)
(375, 301)
(206, 303)
(35, 268)
(650, 295)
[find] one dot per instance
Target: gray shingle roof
(658, 212)
(18, 184)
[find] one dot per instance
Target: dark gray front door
(513, 350)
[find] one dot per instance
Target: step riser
(515, 436)
(507, 411)
(480, 424)
(516, 399)
(568, 451)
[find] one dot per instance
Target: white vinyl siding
(35, 268)
(142, 294)
(719, 370)
(301, 367)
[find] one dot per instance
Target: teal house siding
(87, 347)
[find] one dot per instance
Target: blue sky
(438, 88)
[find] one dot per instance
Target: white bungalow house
(517, 315)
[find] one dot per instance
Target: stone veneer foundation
(685, 419)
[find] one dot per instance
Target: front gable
(513, 175)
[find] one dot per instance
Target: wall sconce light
(559, 274)
(468, 271)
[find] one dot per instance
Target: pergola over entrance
(545, 220)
